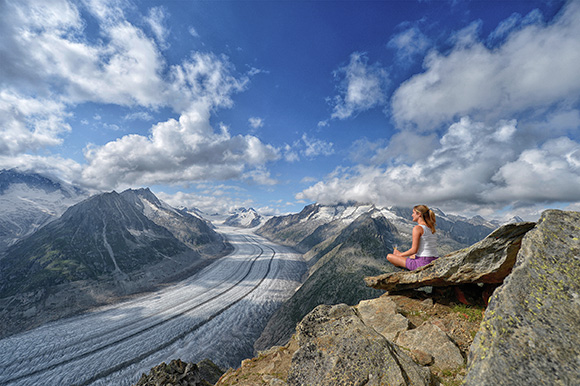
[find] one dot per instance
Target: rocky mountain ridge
(299, 230)
(185, 225)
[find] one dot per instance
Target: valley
(218, 313)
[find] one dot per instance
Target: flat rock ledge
(488, 261)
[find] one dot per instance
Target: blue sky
(469, 106)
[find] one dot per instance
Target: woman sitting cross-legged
(424, 246)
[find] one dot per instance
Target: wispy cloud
(255, 122)
(509, 25)
(361, 86)
(314, 147)
(138, 116)
(307, 147)
(156, 20)
(409, 44)
(193, 32)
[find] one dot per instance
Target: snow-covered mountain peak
(245, 218)
(346, 213)
(149, 203)
(29, 201)
(513, 220)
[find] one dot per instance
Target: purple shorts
(418, 261)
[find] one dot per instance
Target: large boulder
(430, 339)
(382, 315)
(488, 261)
(530, 334)
(337, 348)
(363, 340)
(427, 344)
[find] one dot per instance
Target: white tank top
(427, 243)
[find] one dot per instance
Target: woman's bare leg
(399, 261)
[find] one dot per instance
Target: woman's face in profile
(416, 215)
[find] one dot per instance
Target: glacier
(218, 314)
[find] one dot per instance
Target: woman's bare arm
(417, 233)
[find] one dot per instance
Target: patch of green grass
(471, 313)
(452, 377)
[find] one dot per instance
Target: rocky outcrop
(488, 261)
(400, 339)
(531, 330)
(337, 348)
(431, 340)
(382, 315)
(178, 373)
(428, 344)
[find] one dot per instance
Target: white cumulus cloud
(30, 123)
(45, 54)
(177, 151)
(474, 166)
(481, 128)
(548, 173)
(535, 68)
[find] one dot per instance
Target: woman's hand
(396, 252)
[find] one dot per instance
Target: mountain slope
(191, 230)
(29, 201)
(303, 230)
(338, 267)
(103, 235)
(100, 250)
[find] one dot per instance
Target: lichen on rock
(531, 330)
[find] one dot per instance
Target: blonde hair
(427, 215)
